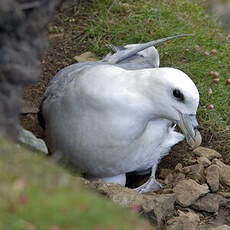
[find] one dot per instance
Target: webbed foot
(150, 186)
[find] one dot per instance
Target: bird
(109, 118)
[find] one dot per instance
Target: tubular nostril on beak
(196, 128)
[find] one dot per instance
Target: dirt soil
(66, 43)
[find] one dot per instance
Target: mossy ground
(35, 194)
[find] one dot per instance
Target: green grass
(142, 21)
(35, 194)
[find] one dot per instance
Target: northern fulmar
(118, 115)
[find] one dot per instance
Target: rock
(178, 167)
(206, 152)
(164, 173)
(185, 221)
(178, 177)
(195, 172)
(156, 206)
(28, 107)
(160, 205)
(188, 191)
(208, 203)
(29, 139)
(204, 161)
(212, 177)
(169, 179)
(228, 219)
(121, 195)
(23, 42)
(224, 194)
(221, 227)
(87, 56)
(224, 171)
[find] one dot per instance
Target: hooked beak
(188, 125)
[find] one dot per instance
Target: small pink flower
(197, 47)
(213, 51)
(214, 74)
(211, 106)
(206, 53)
(216, 80)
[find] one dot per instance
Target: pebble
(208, 203)
(224, 171)
(206, 152)
(178, 167)
(169, 179)
(188, 191)
(184, 221)
(160, 205)
(212, 177)
(204, 161)
(196, 172)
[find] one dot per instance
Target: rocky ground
(195, 196)
(196, 191)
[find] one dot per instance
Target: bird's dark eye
(178, 95)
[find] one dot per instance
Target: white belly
(110, 154)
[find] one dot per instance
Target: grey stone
(195, 172)
(28, 107)
(29, 139)
(120, 195)
(23, 41)
(87, 56)
(208, 203)
(164, 173)
(204, 161)
(224, 171)
(155, 206)
(178, 177)
(221, 227)
(178, 167)
(184, 221)
(212, 177)
(206, 152)
(160, 205)
(224, 194)
(188, 191)
(169, 179)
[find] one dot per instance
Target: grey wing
(60, 82)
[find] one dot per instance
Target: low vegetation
(35, 194)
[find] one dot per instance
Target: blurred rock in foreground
(23, 41)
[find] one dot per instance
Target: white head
(175, 97)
